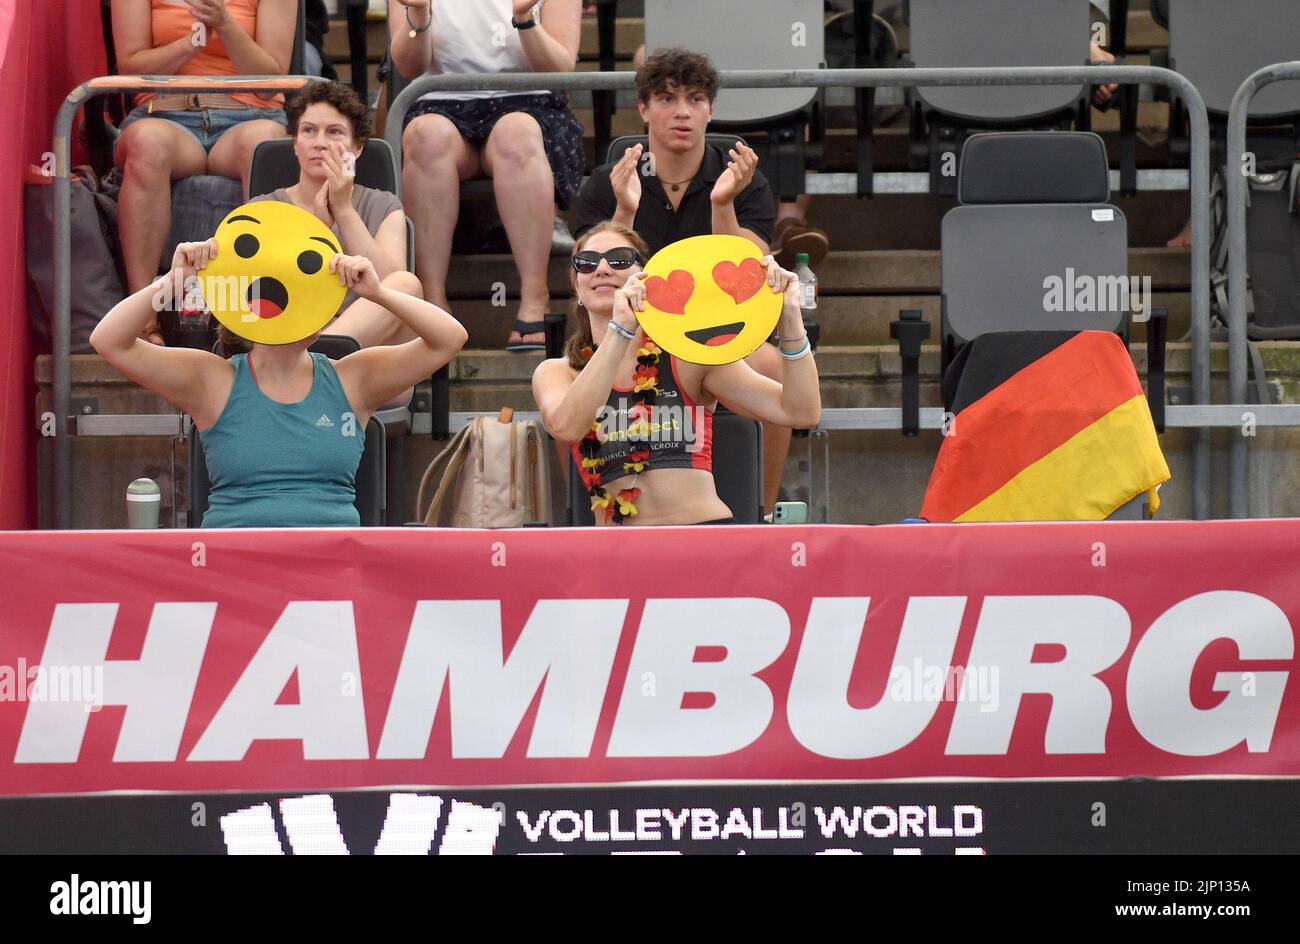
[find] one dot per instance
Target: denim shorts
(207, 125)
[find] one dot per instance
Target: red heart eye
(742, 281)
(670, 294)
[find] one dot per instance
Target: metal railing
(1198, 180)
(62, 327)
(1234, 171)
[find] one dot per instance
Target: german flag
(1048, 426)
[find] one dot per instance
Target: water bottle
(143, 503)
(807, 284)
(808, 304)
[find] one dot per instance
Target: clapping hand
(625, 180)
(740, 171)
(211, 13)
(628, 300)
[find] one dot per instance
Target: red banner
(322, 659)
(46, 50)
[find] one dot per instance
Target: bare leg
(152, 153)
(794, 209)
(1184, 238)
(373, 324)
(435, 159)
(776, 439)
(232, 155)
(515, 157)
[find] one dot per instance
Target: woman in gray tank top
(329, 127)
(277, 421)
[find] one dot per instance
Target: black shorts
(730, 519)
(475, 118)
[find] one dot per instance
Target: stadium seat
(992, 33)
(737, 471)
(274, 166)
(1035, 204)
(1032, 204)
(1216, 46)
(762, 39)
(370, 481)
(619, 145)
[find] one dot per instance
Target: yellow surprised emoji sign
(271, 281)
(708, 301)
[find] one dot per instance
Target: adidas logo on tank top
(324, 422)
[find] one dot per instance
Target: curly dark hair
(341, 96)
(677, 67)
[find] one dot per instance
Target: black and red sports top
(681, 431)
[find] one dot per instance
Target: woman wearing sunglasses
(638, 421)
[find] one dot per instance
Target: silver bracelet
(802, 352)
(621, 331)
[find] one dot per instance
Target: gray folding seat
(944, 34)
(1033, 205)
(1216, 45)
(1036, 205)
(741, 34)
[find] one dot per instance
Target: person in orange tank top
(169, 137)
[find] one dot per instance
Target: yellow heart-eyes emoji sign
(271, 281)
(708, 301)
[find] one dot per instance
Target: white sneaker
(561, 238)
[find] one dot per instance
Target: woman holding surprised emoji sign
(283, 428)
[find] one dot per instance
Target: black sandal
(525, 328)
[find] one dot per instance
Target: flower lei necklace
(645, 388)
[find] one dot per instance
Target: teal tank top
(284, 465)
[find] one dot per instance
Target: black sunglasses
(588, 261)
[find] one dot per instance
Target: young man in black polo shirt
(686, 187)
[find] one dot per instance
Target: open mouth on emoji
(716, 336)
(267, 297)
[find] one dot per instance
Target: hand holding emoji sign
(709, 299)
